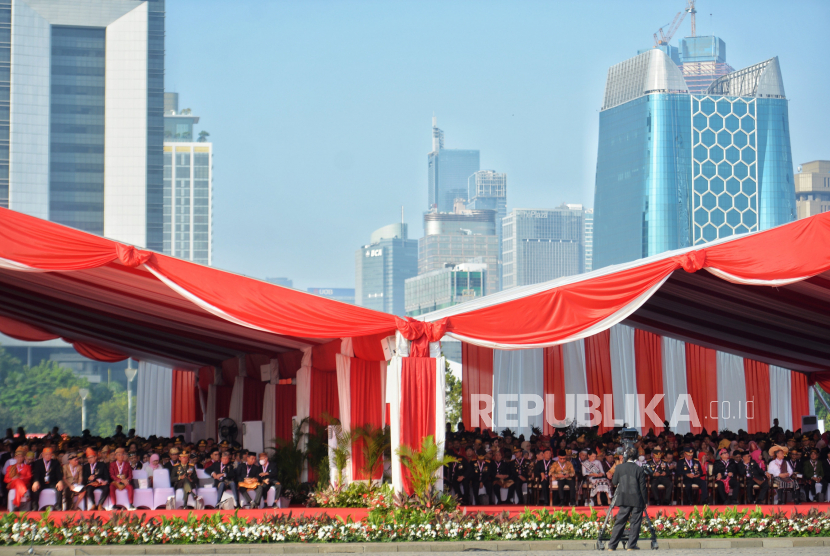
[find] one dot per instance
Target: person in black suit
(249, 470)
(457, 476)
(690, 471)
(502, 476)
(752, 472)
(96, 477)
(725, 472)
(224, 477)
(268, 478)
(631, 496)
(46, 473)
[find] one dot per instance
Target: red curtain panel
(252, 399)
(184, 401)
(367, 409)
(369, 348)
(702, 385)
(324, 397)
(598, 367)
(554, 383)
(800, 397)
(648, 356)
(417, 405)
(290, 362)
(223, 401)
(476, 378)
(756, 375)
(22, 331)
(324, 356)
(286, 408)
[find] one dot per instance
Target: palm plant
(375, 443)
(341, 453)
(423, 466)
(289, 456)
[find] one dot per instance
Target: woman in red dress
(19, 477)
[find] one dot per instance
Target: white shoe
(131, 508)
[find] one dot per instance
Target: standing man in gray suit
(631, 496)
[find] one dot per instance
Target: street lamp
(130, 372)
(84, 393)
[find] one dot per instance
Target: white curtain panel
(516, 373)
(780, 400)
(624, 375)
(384, 369)
(210, 413)
(269, 417)
(154, 400)
(576, 381)
(344, 396)
(393, 398)
(304, 404)
(731, 392)
(440, 415)
(674, 379)
(347, 347)
(237, 398)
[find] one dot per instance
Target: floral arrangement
(416, 525)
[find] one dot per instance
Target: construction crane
(664, 38)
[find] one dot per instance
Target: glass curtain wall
(5, 91)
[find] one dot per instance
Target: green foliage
(341, 453)
(821, 411)
(358, 494)
(423, 466)
(374, 443)
(289, 457)
(41, 397)
(453, 396)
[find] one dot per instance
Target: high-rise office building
(82, 95)
(346, 295)
(812, 188)
(449, 172)
(676, 169)
(543, 244)
(188, 186)
(446, 287)
(382, 267)
(461, 236)
(487, 189)
(589, 240)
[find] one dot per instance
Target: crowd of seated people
(89, 472)
(575, 467)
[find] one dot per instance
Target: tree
(453, 396)
(203, 135)
(112, 413)
(821, 411)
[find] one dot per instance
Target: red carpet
(357, 514)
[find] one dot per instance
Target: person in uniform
(542, 475)
(96, 477)
(73, 482)
(224, 477)
(660, 475)
(135, 464)
(726, 474)
(562, 474)
(184, 477)
(523, 472)
(813, 472)
(691, 471)
(482, 470)
(753, 475)
(46, 473)
(173, 459)
(121, 477)
(502, 477)
(457, 478)
(248, 479)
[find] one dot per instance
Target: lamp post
(130, 372)
(84, 393)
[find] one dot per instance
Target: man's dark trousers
(635, 517)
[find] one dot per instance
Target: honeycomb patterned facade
(724, 167)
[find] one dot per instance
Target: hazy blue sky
(320, 111)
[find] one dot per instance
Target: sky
(320, 111)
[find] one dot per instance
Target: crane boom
(675, 24)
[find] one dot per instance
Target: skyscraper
(589, 240)
(188, 186)
(84, 83)
(543, 244)
(487, 189)
(676, 169)
(449, 172)
(381, 268)
(812, 188)
(446, 287)
(461, 236)
(702, 60)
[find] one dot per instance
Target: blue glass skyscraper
(676, 169)
(449, 171)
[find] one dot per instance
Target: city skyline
(516, 135)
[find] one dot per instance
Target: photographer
(631, 495)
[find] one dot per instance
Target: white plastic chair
(207, 492)
(48, 497)
(161, 488)
(270, 496)
(122, 498)
(98, 495)
(142, 497)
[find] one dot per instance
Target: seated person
(18, 478)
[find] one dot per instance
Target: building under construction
(702, 60)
